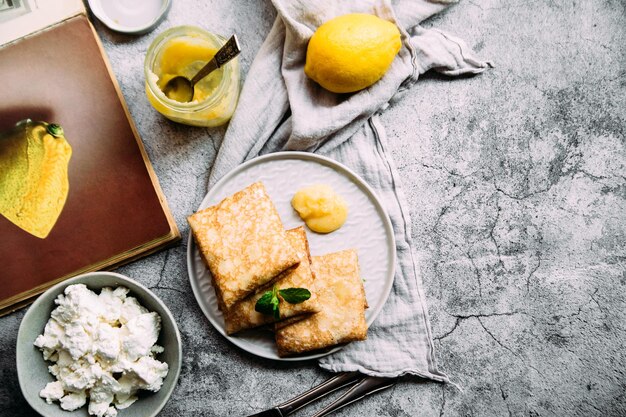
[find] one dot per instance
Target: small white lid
(130, 16)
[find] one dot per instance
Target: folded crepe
(243, 243)
(242, 314)
(342, 303)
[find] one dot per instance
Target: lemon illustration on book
(351, 52)
(34, 158)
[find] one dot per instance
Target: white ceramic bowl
(32, 370)
(132, 17)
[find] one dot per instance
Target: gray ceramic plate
(32, 370)
(367, 229)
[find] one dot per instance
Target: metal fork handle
(319, 391)
(365, 387)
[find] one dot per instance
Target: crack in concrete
(166, 257)
(483, 315)
(556, 170)
(445, 170)
(158, 285)
(532, 273)
(580, 309)
(521, 197)
(492, 237)
(467, 253)
(508, 348)
(205, 189)
(476, 272)
(442, 213)
(586, 401)
(456, 324)
(601, 45)
(162, 287)
(460, 318)
(443, 400)
(602, 309)
(504, 397)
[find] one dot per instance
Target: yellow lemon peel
(351, 52)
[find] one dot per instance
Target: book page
(19, 18)
(114, 209)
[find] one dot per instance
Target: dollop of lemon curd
(322, 209)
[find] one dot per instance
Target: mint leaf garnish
(269, 301)
(264, 304)
(275, 301)
(295, 295)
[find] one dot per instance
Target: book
(54, 69)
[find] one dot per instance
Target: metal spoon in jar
(181, 88)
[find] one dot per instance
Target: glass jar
(183, 50)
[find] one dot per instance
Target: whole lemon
(351, 52)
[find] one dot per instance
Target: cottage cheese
(103, 348)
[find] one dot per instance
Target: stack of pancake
(245, 246)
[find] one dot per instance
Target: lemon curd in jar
(184, 50)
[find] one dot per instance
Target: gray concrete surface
(517, 184)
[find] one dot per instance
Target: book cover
(98, 198)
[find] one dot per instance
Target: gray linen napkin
(281, 109)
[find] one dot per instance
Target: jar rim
(151, 55)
